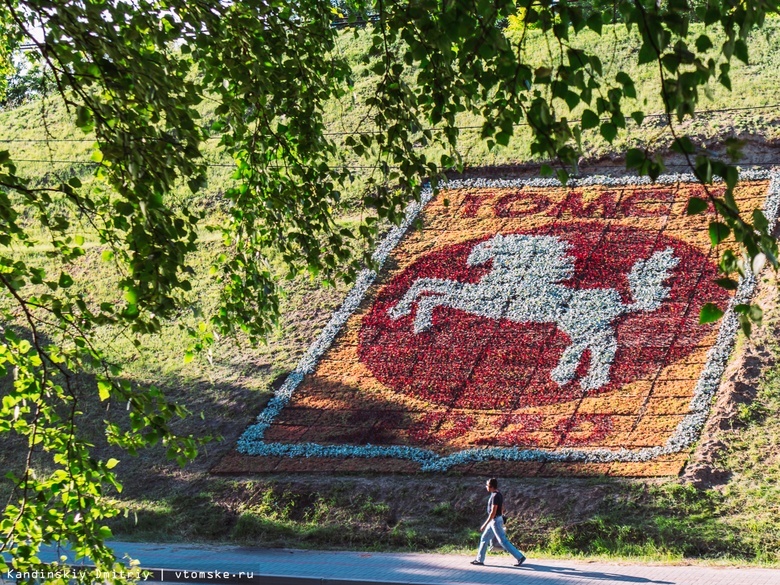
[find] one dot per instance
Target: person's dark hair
(493, 482)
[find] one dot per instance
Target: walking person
(493, 527)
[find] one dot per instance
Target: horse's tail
(646, 280)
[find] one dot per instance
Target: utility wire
(745, 164)
(364, 167)
(519, 124)
(224, 165)
(368, 133)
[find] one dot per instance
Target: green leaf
(703, 43)
(727, 283)
(683, 145)
(728, 262)
(741, 51)
(709, 314)
(628, 84)
(760, 221)
(104, 390)
(608, 131)
(542, 75)
(712, 14)
(638, 117)
(595, 63)
(595, 22)
(65, 280)
(111, 463)
(572, 99)
(746, 325)
(718, 232)
(197, 183)
(635, 158)
(84, 119)
(131, 295)
(696, 206)
(732, 176)
(704, 170)
(647, 53)
(105, 532)
(623, 78)
(589, 120)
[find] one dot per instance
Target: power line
(223, 165)
(519, 124)
(685, 165)
(745, 164)
(91, 162)
(46, 140)
(368, 133)
(69, 162)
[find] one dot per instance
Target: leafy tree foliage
(133, 73)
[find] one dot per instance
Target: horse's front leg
(564, 372)
(404, 306)
(423, 320)
(603, 348)
(420, 286)
(444, 292)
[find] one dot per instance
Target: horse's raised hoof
(560, 378)
(594, 382)
(396, 313)
(422, 328)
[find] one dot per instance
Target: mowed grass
(23, 131)
(754, 86)
(660, 520)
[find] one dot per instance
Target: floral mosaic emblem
(525, 328)
(523, 287)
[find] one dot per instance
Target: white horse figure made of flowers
(523, 287)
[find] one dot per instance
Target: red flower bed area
(466, 361)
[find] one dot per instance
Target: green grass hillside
(753, 86)
(737, 521)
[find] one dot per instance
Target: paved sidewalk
(227, 564)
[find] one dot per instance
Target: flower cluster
(514, 337)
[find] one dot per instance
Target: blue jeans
(496, 527)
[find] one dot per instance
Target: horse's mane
(558, 266)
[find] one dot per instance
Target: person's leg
(498, 527)
(484, 541)
(495, 544)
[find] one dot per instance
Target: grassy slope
(754, 85)
(653, 520)
(656, 519)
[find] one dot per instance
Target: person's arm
(493, 512)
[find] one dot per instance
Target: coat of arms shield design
(519, 328)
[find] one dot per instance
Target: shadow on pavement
(410, 572)
(594, 575)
